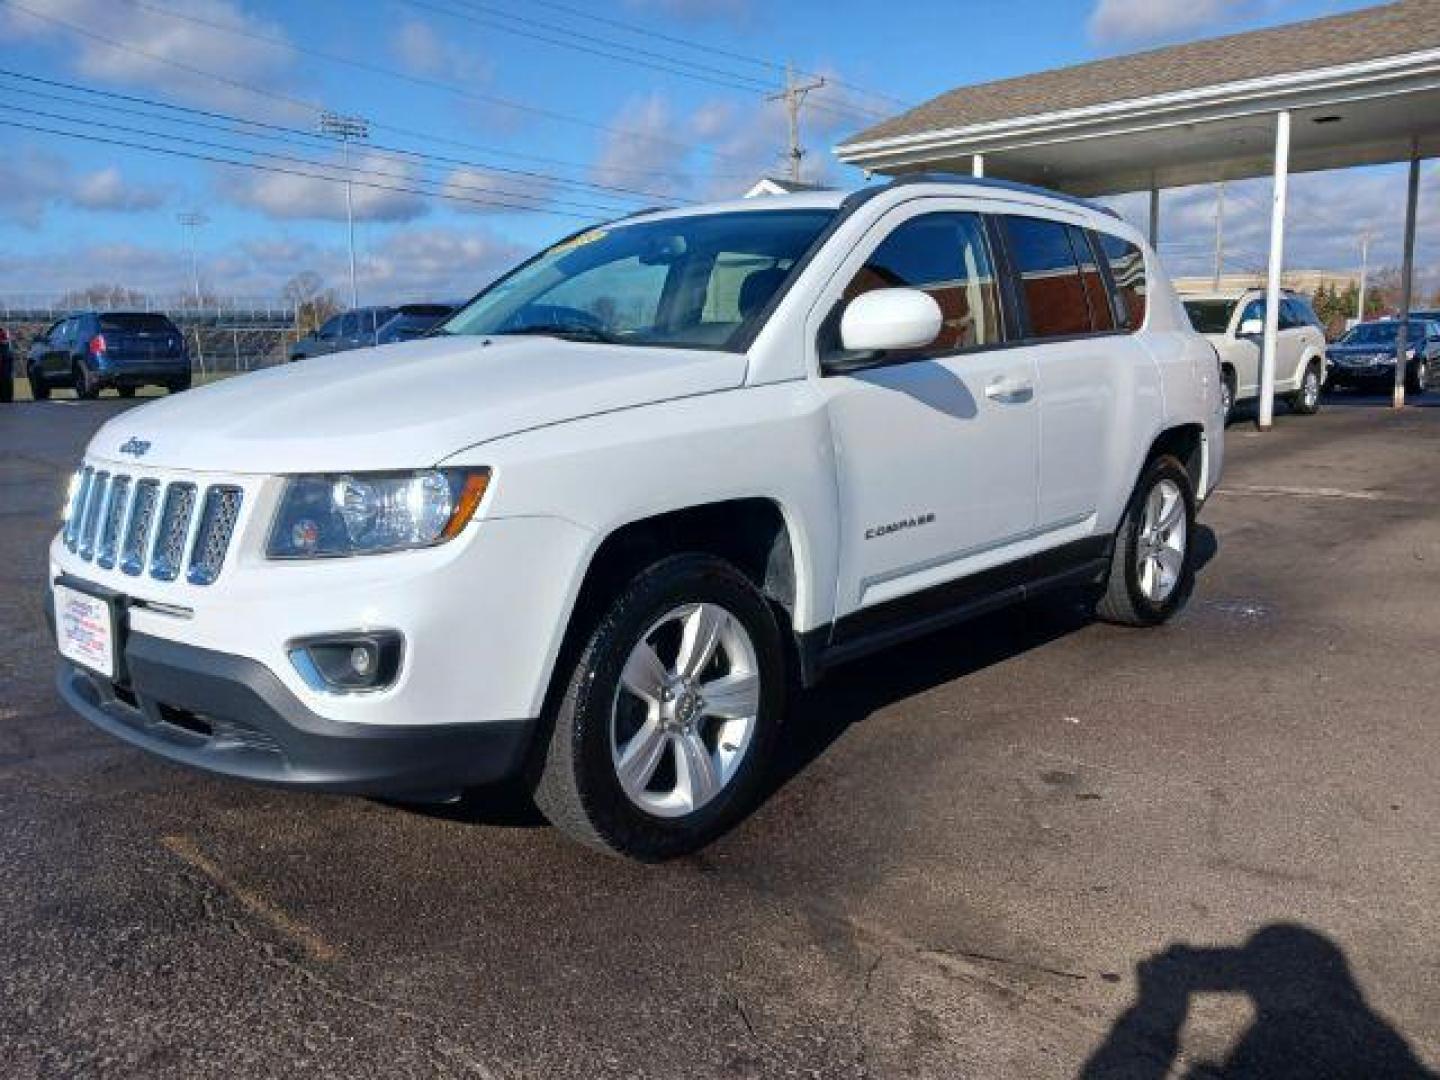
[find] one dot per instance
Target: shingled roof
(1395, 29)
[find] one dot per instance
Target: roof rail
(1002, 185)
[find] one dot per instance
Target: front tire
(1152, 567)
(668, 717)
(1417, 377)
(1227, 396)
(1306, 400)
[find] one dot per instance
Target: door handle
(1010, 391)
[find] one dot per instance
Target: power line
(673, 39)
(299, 136)
(363, 65)
(489, 16)
(259, 167)
(500, 198)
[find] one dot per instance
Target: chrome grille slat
(135, 548)
(99, 487)
(217, 523)
(114, 520)
(77, 508)
(138, 522)
(175, 517)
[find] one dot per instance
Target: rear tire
(125, 391)
(632, 696)
(1306, 400)
(1152, 567)
(39, 388)
(177, 386)
(85, 385)
(7, 387)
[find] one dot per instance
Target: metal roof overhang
(1203, 135)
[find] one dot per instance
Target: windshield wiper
(565, 331)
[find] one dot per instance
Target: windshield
(694, 282)
(1382, 333)
(1210, 316)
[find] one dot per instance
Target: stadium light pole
(347, 129)
(192, 221)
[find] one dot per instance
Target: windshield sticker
(578, 241)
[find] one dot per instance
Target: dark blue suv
(123, 350)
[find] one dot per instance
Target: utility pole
(347, 129)
(192, 221)
(794, 96)
(1219, 235)
(1364, 274)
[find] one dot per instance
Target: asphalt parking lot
(1034, 847)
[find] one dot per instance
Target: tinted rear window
(137, 323)
(1050, 277)
(1210, 316)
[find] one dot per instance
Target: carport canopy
(1348, 90)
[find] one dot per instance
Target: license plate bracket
(90, 626)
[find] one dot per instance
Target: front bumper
(231, 715)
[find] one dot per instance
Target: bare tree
(313, 302)
(101, 295)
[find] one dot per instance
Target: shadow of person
(1311, 1019)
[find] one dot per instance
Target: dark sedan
(353, 329)
(93, 350)
(414, 320)
(1365, 356)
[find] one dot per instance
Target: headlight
(369, 513)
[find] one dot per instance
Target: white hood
(405, 406)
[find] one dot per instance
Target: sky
(496, 126)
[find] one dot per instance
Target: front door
(936, 447)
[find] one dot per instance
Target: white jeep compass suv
(1235, 325)
(588, 533)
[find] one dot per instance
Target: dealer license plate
(85, 626)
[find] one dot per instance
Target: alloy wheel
(1160, 545)
(685, 711)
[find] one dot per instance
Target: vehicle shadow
(1310, 1016)
(820, 716)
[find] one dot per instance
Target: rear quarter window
(1127, 270)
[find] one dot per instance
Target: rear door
(936, 446)
(1244, 356)
(1084, 363)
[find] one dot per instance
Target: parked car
(353, 329)
(1365, 356)
(7, 367)
(411, 321)
(96, 350)
(1235, 325)
(590, 534)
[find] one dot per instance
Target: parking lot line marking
(187, 851)
(1311, 493)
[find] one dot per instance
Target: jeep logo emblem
(135, 447)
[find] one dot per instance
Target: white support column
(1155, 216)
(1277, 264)
(1407, 275)
(977, 166)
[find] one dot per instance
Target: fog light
(359, 662)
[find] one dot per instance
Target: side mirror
(888, 319)
(1252, 328)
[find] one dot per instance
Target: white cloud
(643, 149)
(471, 188)
(34, 182)
(1115, 21)
(404, 264)
(236, 58)
(425, 52)
(287, 196)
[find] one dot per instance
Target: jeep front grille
(142, 524)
